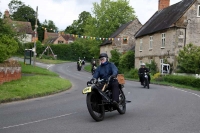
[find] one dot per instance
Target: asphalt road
(160, 109)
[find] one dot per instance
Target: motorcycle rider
(79, 63)
(94, 65)
(104, 71)
(141, 71)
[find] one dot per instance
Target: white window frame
(163, 39)
(151, 42)
(140, 45)
(151, 60)
(140, 62)
(161, 62)
(198, 11)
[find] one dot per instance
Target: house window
(163, 40)
(140, 62)
(150, 42)
(151, 60)
(198, 11)
(60, 42)
(140, 44)
(125, 40)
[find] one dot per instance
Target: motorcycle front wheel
(95, 107)
(122, 102)
(147, 83)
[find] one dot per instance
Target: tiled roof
(165, 18)
(117, 32)
(51, 40)
(21, 26)
(68, 37)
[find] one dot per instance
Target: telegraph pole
(34, 59)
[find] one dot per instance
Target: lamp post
(35, 36)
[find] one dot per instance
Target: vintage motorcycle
(79, 66)
(146, 79)
(99, 100)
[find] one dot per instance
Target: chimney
(163, 4)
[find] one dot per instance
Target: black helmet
(103, 55)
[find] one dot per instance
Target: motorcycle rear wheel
(95, 107)
(122, 102)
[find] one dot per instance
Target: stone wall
(9, 70)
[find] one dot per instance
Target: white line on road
(188, 92)
(48, 66)
(37, 121)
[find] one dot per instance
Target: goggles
(102, 58)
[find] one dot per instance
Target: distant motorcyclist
(104, 71)
(79, 64)
(141, 72)
(94, 66)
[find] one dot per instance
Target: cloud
(64, 12)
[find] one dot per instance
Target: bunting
(90, 37)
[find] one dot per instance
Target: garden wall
(9, 70)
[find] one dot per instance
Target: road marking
(48, 66)
(32, 122)
(188, 92)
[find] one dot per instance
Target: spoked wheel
(144, 83)
(95, 108)
(122, 102)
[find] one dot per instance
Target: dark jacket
(142, 70)
(104, 71)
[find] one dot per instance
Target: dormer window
(198, 11)
(125, 40)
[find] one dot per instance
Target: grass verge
(35, 82)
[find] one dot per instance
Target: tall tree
(49, 25)
(25, 13)
(14, 5)
(108, 16)
(78, 26)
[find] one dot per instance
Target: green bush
(127, 61)
(183, 80)
(133, 73)
(8, 46)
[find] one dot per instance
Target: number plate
(87, 90)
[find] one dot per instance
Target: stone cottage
(122, 39)
(168, 31)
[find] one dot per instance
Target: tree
(108, 16)
(78, 26)
(14, 5)
(50, 26)
(189, 59)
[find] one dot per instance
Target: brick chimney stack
(163, 4)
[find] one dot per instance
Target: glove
(91, 81)
(113, 76)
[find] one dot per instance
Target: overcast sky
(63, 12)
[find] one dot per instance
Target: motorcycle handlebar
(100, 81)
